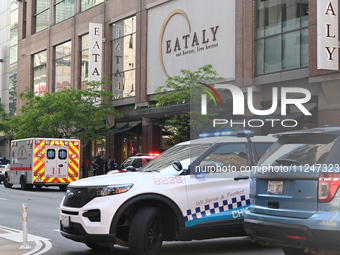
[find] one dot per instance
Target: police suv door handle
(241, 177)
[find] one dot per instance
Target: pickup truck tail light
(328, 186)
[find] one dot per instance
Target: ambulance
(43, 162)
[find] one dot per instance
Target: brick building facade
(255, 29)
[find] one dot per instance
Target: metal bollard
(25, 245)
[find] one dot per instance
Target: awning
(264, 117)
(158, 112)
(123, 127)
(294, 113)
(291, 116)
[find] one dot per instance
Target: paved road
(43, 227)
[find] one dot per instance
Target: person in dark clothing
(94, 166)
(111, 164)
(106, 161)
(100, 163)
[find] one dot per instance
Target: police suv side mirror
(130, 169)
(177, 165)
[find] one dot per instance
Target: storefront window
(281, 35)
(132, 144)
(84, 60)
(62, 65)
(42, 14)
(86, 4)
(64, 9)
(124, 57)
(39, 73)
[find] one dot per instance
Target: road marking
(42, 244)
(1, 198)
(41, 247)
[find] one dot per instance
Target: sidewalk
(11, 241)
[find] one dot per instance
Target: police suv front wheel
(146, 232)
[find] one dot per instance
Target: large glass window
(13, 75)
(281, 35)
(42, 14)
(123, 57)
(64, 9)
(14, 27)
(39, 73)
(86, 4)
(62, 66)
(84, 72)
(13, 60)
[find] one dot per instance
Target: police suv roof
(230, 139)
(326, 130)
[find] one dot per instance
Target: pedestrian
(94, 166)
(106, 166)
(111, 164)
(100, 163)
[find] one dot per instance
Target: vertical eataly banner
(95, 51)
(327, 35)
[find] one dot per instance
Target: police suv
(295, 195)
(194, 190)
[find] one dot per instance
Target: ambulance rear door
(56, 164)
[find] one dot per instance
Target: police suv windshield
(185, 154)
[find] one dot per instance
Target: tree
(67, 113)
(187, 87)
(4, 123)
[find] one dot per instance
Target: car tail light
(328, 186)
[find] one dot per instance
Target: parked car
(2, 174)
(4, 166)
(295, 197)
(134, 163)
(183, 194)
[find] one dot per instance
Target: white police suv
(195, 190)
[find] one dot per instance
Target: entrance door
(56, 162)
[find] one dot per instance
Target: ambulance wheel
(146, 232)
(38, 187)
(6, 184)
(24, 185)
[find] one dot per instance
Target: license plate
(65, 221)
(275, 187)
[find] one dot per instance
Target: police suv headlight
(102, 191)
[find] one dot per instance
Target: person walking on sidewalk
(100, 163)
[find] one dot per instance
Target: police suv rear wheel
(146, 232)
